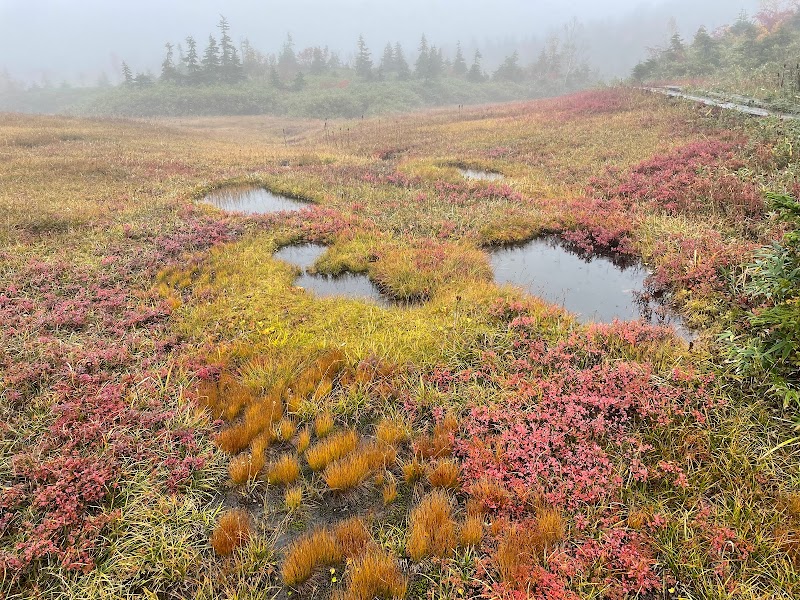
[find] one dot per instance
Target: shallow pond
(349, 285)
(480, 175)
(251, 200)
(595, 289)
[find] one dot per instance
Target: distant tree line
(766, 45)
(222, 63)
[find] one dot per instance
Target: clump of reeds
(303, 440)
(309, 553)
(285, 430)
(444, 474)
(232, 531)
(332, 448)
(389, 490)
(432, 531)
(284, 471)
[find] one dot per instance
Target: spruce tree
(475, 74)
(319, 64)
(435, 63)
(460, 68)
(363, 60)
(127, 73)
(422, 66)
(211, 62)
(387, 62)
(169, 74)
(287, 59)
(192, 61)
(400, 63)
(509, 70)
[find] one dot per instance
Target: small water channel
(594, 288)
(349, 285)
(251, 200)
(476, 175)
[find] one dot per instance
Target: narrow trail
(747, 109)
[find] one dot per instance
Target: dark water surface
(252, 200)
(593, 288)
(349, 285)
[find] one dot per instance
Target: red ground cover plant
(92, 341)
(571, 434)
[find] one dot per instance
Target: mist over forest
(55, 41)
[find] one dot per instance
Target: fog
(76, 40)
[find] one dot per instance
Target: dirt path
(747, 109)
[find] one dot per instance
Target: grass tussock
(293, 498)
(353, 537)
(392, 432)
(303, 440)
(332, 448)
(308, 553)
(444, 474)
(285, 430)
(258, 417)
(323, 424)
(389, 491)
(432, 530)
(352, 470)
(413, 470)
(440, 443)
(470, 533)
(285, 471)
(376, 575)
(232, 531)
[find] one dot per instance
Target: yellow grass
(432, 531)
(332, 448)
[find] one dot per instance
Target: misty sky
(77, 39)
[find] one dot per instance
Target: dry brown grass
(285, 430)
(353, 469)
(390, 431)
(489, 495)
(471, 532)
(234, 396)
(413, 470)
(232, 531)
(334, 447)
(303, 440)
(440, 443)
(309, 553)
(549, 527)
(522, 545)
(258, 417)
(432, 531)
(323, 424)
(390, 490)
(353, 537)
(444, 475)
(293, 498)
(376, 575)
(513, 553)
(286, 470)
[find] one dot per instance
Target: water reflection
(251, 200)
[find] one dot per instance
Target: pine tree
(460, 68)
(275, 78)
(400, 63)
(363, 60)
(319, 63)
(127, 73)
(225, 43)
(211, 63)
(422, 66)
(475, 74)
(299, 82)
(192, 61)
(435, 63)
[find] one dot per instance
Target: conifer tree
(211, 62)
(387, 62)
(192, 61)
(287, 59)
(169, 74)
(363, 60)
(400, 63)
(475, 74)
(422, 66)
(460, 68)
(127, 73)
